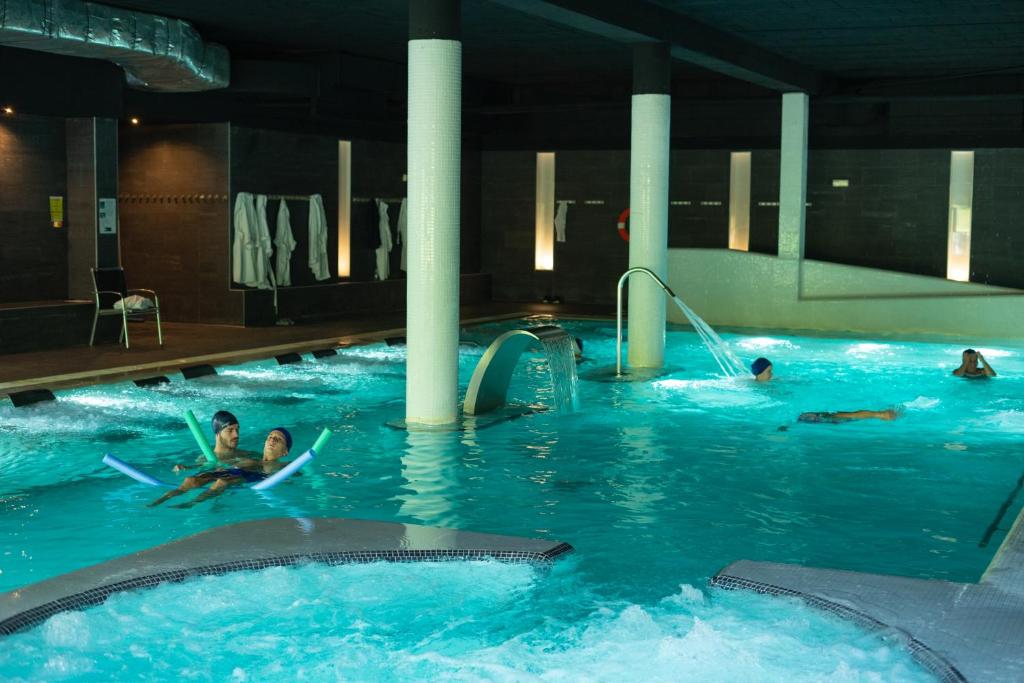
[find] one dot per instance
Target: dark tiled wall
(997, 226)
(892, 216)
(172, 240)
(34, 260)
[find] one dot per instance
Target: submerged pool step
(260, 544)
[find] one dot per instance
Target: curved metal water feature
(488, 387)
(725, 358)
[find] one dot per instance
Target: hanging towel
(264, 273)
(284, 243)
(403, 237)
(318, 238)
(245, 244)
(384, 250)
(563, 208)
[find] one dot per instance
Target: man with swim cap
(277, 445)
(225, 434)
(762, 369)
(225, 440)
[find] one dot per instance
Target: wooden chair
(110, 287)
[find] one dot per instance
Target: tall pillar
(648, 202)
(434, 151)
(793, 175)
(92, 176)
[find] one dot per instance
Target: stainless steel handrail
(618, 310)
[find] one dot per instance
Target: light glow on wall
(739, 201)
(961, 199)
(544, 219)
(344, 207)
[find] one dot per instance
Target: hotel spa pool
(657, 485)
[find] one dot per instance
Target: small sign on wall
(108, 216)
(56, 211)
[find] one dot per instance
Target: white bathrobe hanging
(264, 275)
(318, 238)
(384, 250)
(284, 245)
(403, 234)
(563, 208)
(245, 245)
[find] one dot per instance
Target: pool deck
(959, 631)
(188, 344)
(282, 542)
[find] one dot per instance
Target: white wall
(755, 290)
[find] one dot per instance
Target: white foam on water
(923, 403)
(764, 344)
(444, 621)
(718, 392)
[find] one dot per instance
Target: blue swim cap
(759, 366)
(287, 436)
(222, 419)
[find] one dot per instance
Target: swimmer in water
(849, 416)
(245, 470)
(762, 369)
(969, 361)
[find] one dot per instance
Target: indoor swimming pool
(656, 484)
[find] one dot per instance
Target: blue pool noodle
(137, 475)
(283, 473)
(268, 483)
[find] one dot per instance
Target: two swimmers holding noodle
(240, 467)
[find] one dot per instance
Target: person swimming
(244, 471)
(848, 416)
(762, 369)
(969, 368)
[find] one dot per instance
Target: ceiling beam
(690, 41)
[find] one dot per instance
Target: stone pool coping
(958, 631)
(281, 542)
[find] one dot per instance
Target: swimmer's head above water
(225, 429)
(762, 369)
(278, 444)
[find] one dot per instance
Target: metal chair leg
(95, 317)
(124, 325)
(159, 332)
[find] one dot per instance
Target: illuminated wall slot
(961, 199)
(544, 219)
(344, 207)
(739, 201)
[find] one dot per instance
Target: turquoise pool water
(656, 484)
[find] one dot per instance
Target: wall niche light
(9, 110)
(961, 201)
(544, 214)
(134, 120)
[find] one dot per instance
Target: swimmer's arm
(987, 368)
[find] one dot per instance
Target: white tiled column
(434, 151)
(793, 175)
(650, 145)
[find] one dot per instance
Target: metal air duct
(157, 53)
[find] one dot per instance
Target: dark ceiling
(328, 62)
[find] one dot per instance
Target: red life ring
(623, 217)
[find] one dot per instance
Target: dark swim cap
(287, 436)
(222, 419)
(759, 366)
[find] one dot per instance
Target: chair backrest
(110, 280)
